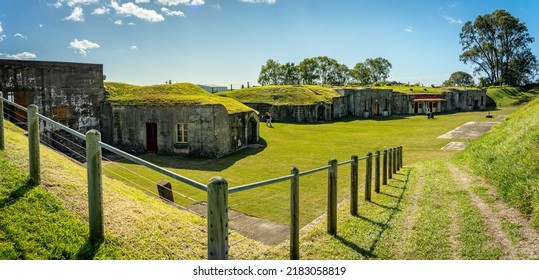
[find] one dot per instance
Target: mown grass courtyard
(306, 146)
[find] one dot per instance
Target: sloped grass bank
(507, 157)
(35, 225)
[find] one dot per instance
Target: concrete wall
(212, 132)
(294, 113)
(70, 93)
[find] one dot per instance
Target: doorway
(151, 137)
(252, 131)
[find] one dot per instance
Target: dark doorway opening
(476, 104)
(151, 137)
(416, 107)
(321, 113)
(251, 131)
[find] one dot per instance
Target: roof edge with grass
(187, 94)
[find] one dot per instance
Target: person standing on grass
(268, 119)
(428, 113)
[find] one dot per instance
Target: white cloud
(118, 22)
(168, 12)
(452, 20)
(83, 46)
(2, 36)
(130, 9)
(269, 2)
(72, 3)
(142, 1)
(134, 48)
(76, 15)
(57, 5)
(101, 11)
(21, 56)
(19, 36)
(183, 2)
(131, 23)
(409, 29)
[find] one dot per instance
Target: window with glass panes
(181, 133)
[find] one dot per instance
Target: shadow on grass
(17, 193)
(203, 164)
(383, 226)
(89, 250)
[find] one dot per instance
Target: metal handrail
(150, 165)
(13, 103)
(259, 184)
(63, 127)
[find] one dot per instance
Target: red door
(151, 137)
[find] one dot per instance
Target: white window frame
(181, 133)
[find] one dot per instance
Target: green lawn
(306, 146)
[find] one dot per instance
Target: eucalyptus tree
(459, 79)
(498, 44)
(270, 73)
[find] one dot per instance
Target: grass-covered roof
(180, 93)
(283, 95)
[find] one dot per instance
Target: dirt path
(494, 213)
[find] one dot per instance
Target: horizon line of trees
(322, 70)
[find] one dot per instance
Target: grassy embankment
(508, 158)
(283, 95)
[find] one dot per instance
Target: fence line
(217, 188)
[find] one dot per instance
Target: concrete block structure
(69, 93)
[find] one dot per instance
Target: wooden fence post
(401, 157)
(368, 176)
(2, 143)
(294, 214)
(95, 186)
(384, 169)
(390, 163)
(332, 197)
(354, 185)
(398, 159)
(395, 160)
(217, 219)
(377, 172)
(33, 144)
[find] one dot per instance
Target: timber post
(332, 197)
(95, 186)
(354, 188)
(395, 160)
(390, 163)
(33, 144)
(368, 177)
(294, 214)
(377, 172)
(384, 168)
(217, 219)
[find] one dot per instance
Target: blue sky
(227, 41)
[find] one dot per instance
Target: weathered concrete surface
(211, 131)
(469, 130)
(455, 146)
(70, 93)
(267, 232)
